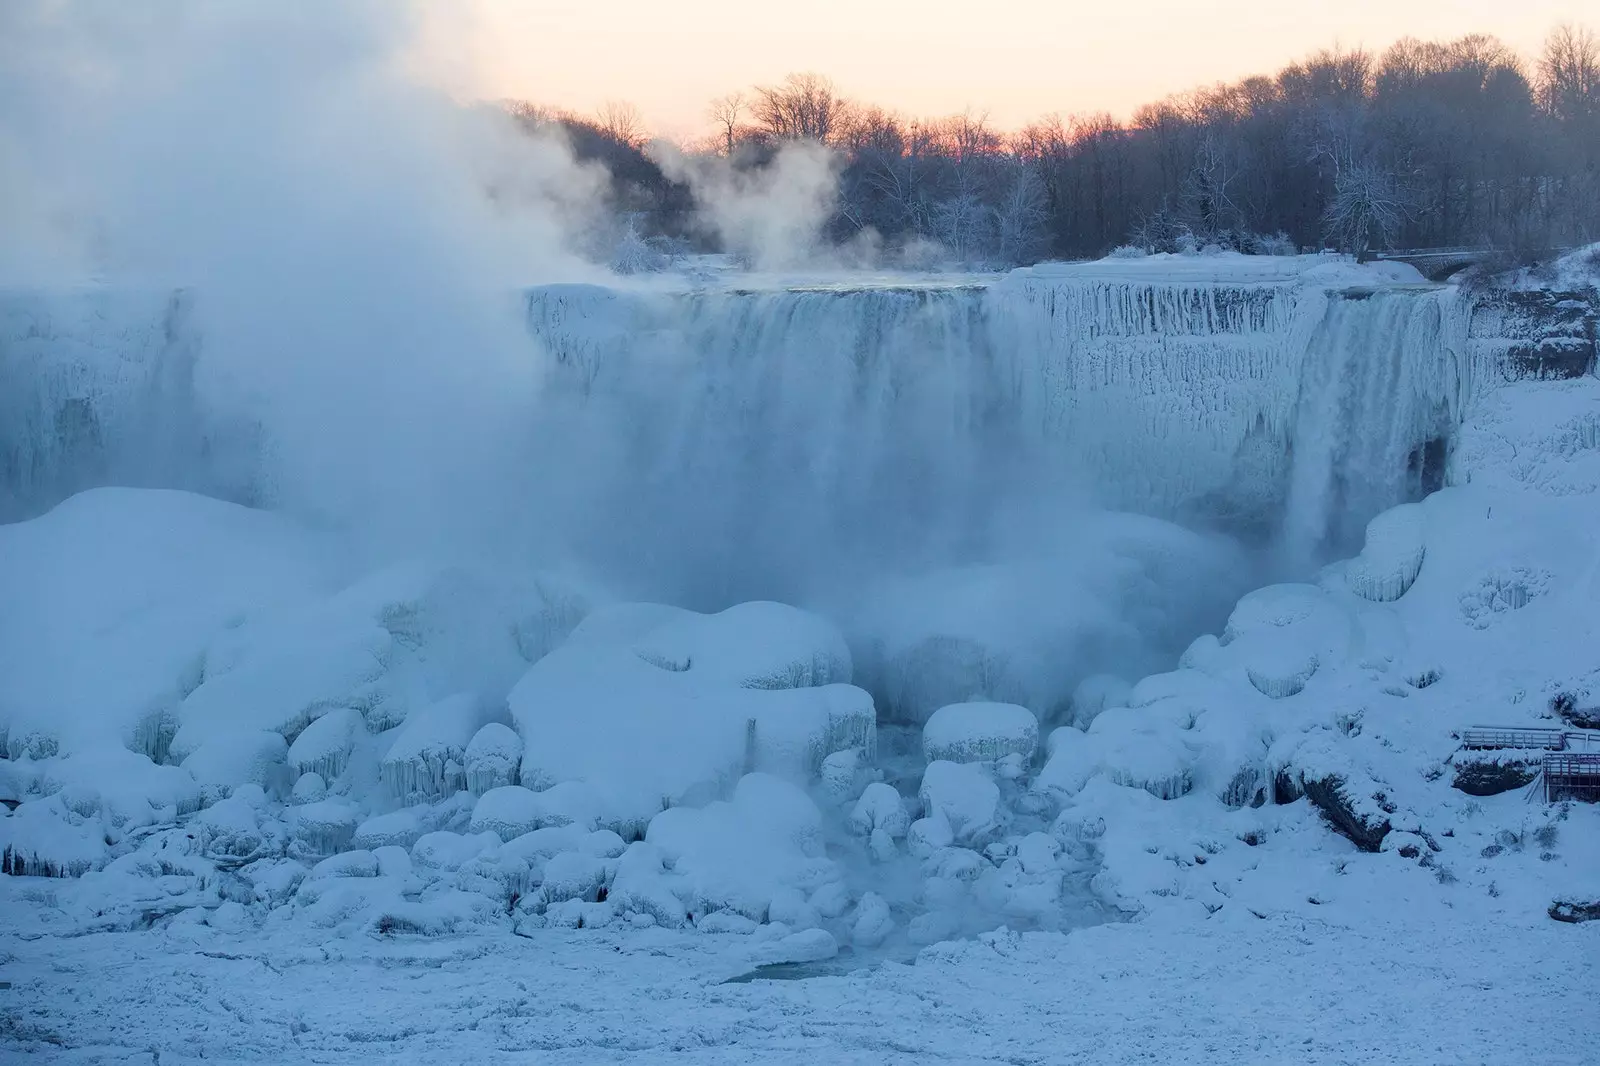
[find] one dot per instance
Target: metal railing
(1488, 737)
(1571, 776)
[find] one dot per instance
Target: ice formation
(980, 732)
(220, 711)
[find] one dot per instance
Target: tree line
(1426, 144)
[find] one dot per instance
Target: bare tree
(622, 121)
(726, 111)
(804, 107)
(1021, 216)
(1569, 74)
(1367, 210)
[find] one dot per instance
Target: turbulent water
(878, 420)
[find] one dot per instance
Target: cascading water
(1384, 375)
(732, 435)
(906, 419)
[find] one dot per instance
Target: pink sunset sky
(1014, 59)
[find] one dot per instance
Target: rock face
(1483, 778)
(1566, 910)
(1364, 828)
(1542, 334)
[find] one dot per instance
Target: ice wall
(98, 387)
(912, 418)
(1256, 399)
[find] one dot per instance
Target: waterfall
(759, 429)
(913, 414)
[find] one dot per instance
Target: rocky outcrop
(1485, 777)
(1566, 910)
(1539, 334)
(1362, 820)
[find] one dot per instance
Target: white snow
(980, 732)
(225, 731)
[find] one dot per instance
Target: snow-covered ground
(279, 798)
(1242, 991)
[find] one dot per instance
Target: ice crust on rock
(644, 736)
(493, 758)
(966, 797)
(426, 760)
(980, 732)
(1393, 555)
(751, 645)
(324, 747)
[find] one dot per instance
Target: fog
(354, 240)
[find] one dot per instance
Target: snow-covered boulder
(123, 790)
(228, 760)
(980, 732)
(511, 810)
(324, 827)
(426, 760)
(308, 788)
(324, 747)
(740, 853)
(880, 809)
(236, 828)
(751, 645)
(106, 655)
(281, 673)
(644, 736)
(873, 921)
(966, 797)
(493, 758)
(1392, 556)
(1142, 749)
(1094, 694)
(42, 838)
(467, 627)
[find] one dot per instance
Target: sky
(1013, 59)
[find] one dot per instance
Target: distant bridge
(1437, 264)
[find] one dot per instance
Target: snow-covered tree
(1367, 210)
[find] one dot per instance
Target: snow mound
(965, 797)
(740, 854)
(1392, 557)
(492, 758)
(324, 747)
(751, 645)
(110, 601)
(980, 732)
(646, 736)
(247, 758)
(426, 761)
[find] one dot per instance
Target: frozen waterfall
(902, 419)
(1269, 406)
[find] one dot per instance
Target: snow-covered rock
(740, 853)
(425, 762)
(1392, 558)
(492, 758)
(980, 732)
(253, 757)
(645, 736)
(324, 746)
(966, 797)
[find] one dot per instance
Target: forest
(1426, 144)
